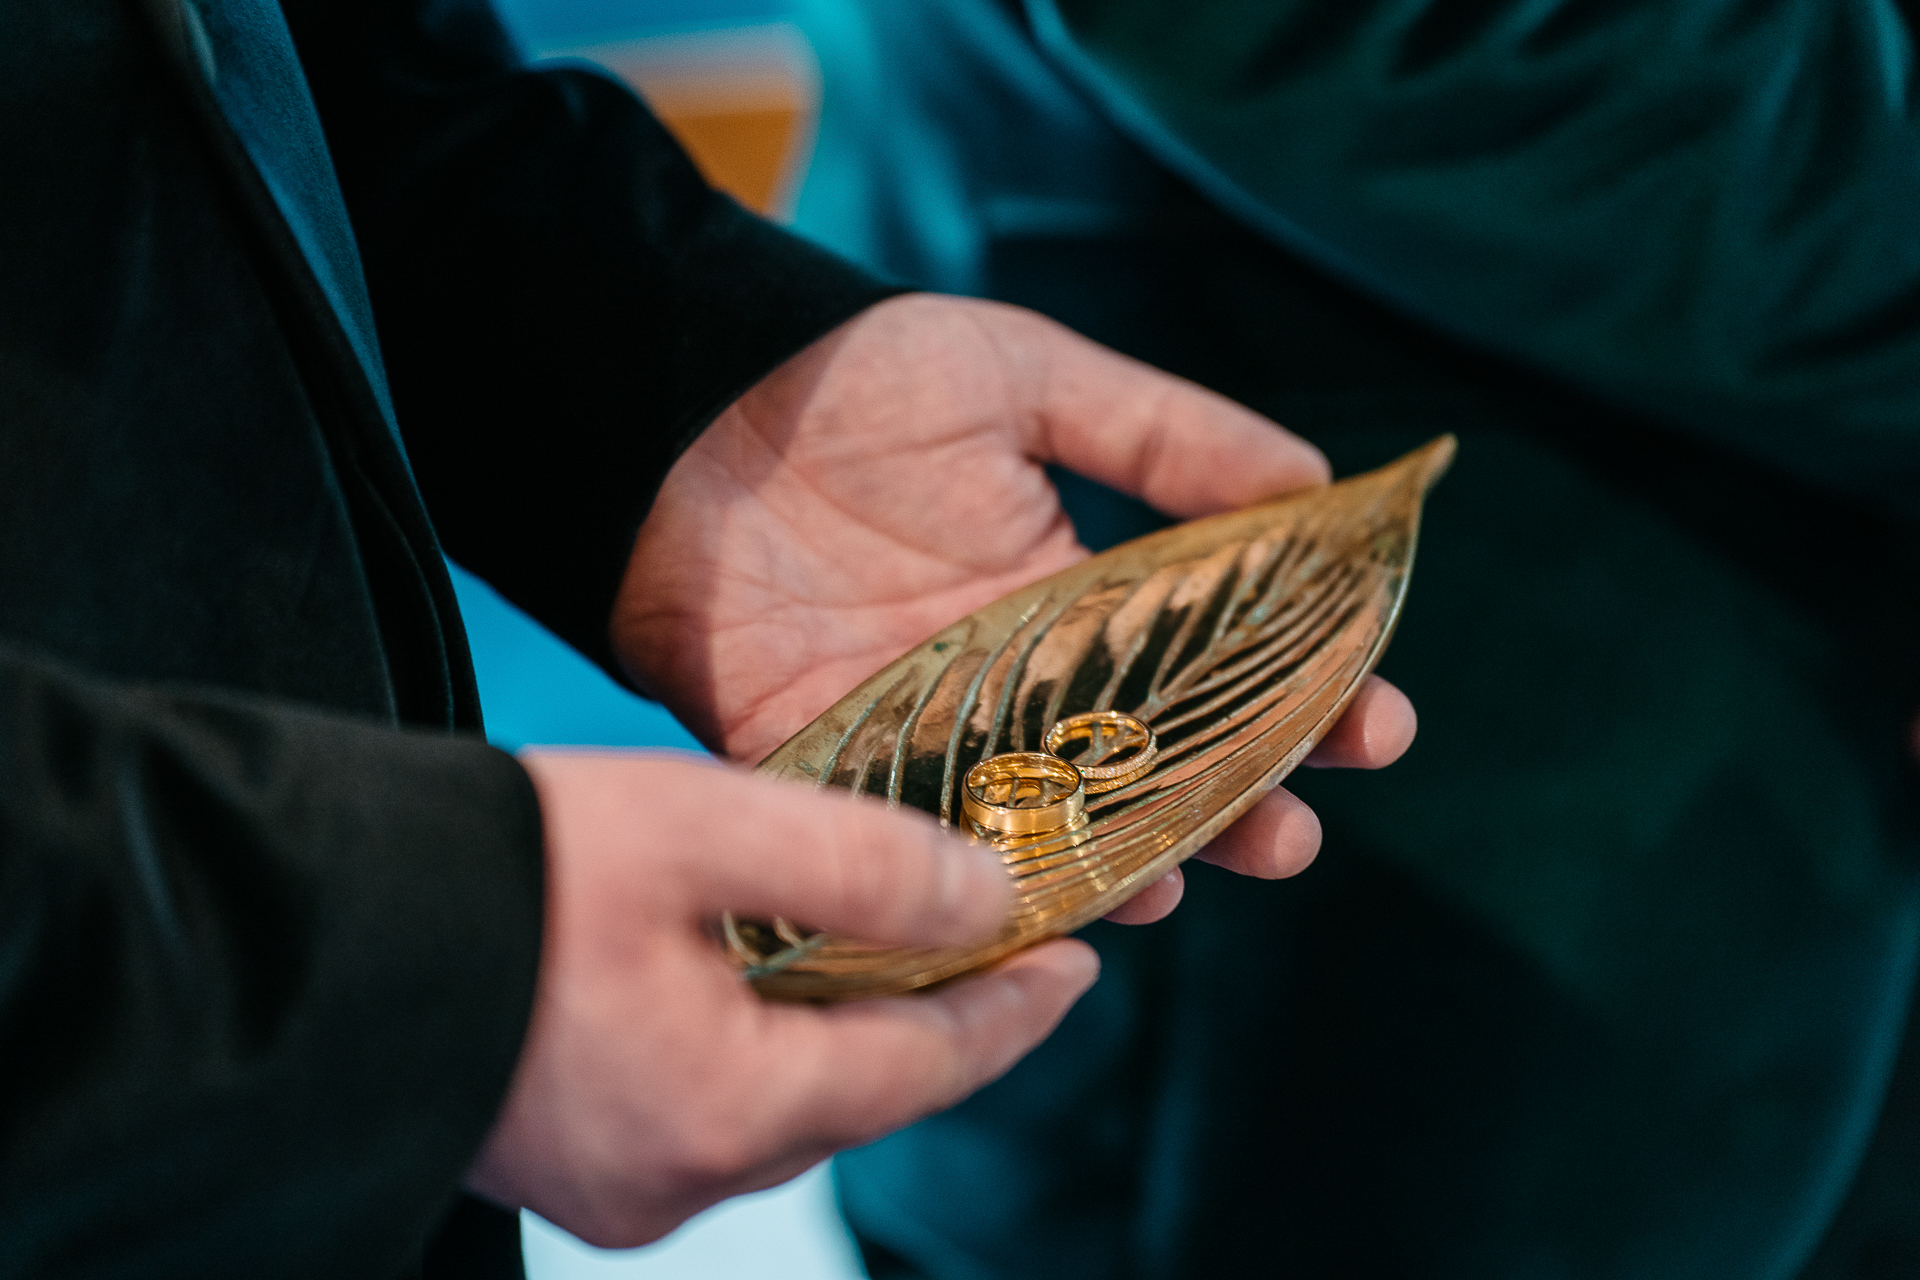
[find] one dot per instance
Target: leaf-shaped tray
(1239, 638)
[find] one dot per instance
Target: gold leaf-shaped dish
(1239, 639)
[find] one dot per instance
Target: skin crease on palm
(878, 485)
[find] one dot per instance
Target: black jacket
(287, 303)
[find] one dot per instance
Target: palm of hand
(876, 488)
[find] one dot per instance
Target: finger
(1177, 446)
(852, 866)
(1276, 838)
(1155, 902)
(1376, 730)
(892, 1061)
(719, 839)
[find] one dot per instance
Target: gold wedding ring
(1106, 734)
(1023, 793)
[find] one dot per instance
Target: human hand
(888, 479)
(653, 1081)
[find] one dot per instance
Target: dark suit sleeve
(1703, 209)
(562, 302)
(264, 977)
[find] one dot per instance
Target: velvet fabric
(270, 907)
(1610, 977)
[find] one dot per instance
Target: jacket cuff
(269, 973)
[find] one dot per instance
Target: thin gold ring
(1023, 793)
(1094, 726)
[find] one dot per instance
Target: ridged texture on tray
(1239, 638)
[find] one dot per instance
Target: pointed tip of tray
(1430, 461)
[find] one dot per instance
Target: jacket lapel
(239, 59)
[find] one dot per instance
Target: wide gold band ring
(1107, 733)
(1023, 793)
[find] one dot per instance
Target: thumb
(841, 863)
(1175, 445)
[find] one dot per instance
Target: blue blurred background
(535, 689)
(723, 75)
